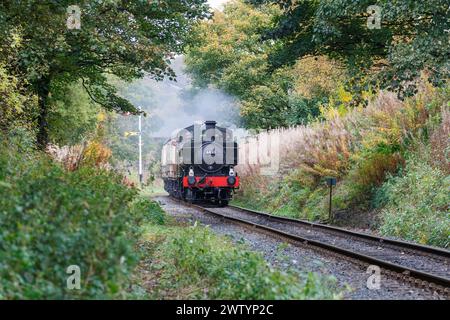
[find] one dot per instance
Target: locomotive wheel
(223, 203)
(189, 196)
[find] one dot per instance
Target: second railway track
(418, 263)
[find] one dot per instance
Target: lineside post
(331, 181)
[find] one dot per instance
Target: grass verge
(191, 262)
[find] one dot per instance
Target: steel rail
(398, 243)
(406, 271)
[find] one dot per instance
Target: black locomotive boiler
(197, 164)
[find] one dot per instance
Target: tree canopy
(124, 38)
(413, 36)
(228, 52)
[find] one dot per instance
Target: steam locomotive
(197, 164)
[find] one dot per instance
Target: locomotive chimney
(210, 124)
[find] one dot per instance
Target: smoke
(217, 4)
(174, 105)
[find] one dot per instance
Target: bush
(416, 204)
(299, 196)
(360, 147)
(194, 256)
(154, 213)
(254, 192)
(51, 219)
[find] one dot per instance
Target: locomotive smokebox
(210, 124)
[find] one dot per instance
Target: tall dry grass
(72, 157)
(333, 145)
(69, 156)
(440, 143)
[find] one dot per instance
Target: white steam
(174, 105)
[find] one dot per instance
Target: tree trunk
(43, 91)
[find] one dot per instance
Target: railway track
(423, 265)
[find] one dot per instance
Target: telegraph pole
(140, 146)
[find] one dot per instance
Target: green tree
(413, 37)
(16, 106)
(228, 52)
(72, 116)
(124, 38)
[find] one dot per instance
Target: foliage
(317, 76)
(227, 52)
(72, 116)
(124, 145)
(124, 38)
(415, 204)
(288, 196)
(440, 142)
(154, 213)
(254, 191)
(51, 219)
(96, 154)
(361, 147)
(204, 265)
(412, 38)
(16, 107)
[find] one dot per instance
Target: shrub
(153, 212)
(416, 204)
(194, 256)
(254, 191)
(374, 168)
(360, 146)
(51, 219)
(316, 207)
(357, 187)
(96, 154)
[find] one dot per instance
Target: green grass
(413, 203)
(191, 262)
(416, 204)
(154, 189)
(287, 197)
